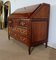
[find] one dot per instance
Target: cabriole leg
(46, 45)
(29, 50)
(9, 37)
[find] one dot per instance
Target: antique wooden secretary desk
(29, 25)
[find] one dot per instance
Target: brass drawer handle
(23, 32)
(22, 23)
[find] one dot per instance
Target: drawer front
(24, 32)
(19, 22)
(15, 22)
(14, 33)
(25, 22)
(25, 40)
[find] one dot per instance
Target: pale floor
(14, 50)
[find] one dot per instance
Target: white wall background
(52, 27)
(15, 4)
(22, 3)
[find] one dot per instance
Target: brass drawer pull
(22, 23)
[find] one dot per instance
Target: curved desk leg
(46, 45)
(29, 50)
(8, 36)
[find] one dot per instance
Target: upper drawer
(13, 22)
(25, 22)
(24, 31)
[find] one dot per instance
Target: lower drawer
(19, 37)
(14, 35)
(25, 40)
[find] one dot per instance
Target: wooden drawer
(15, 22)
(14, 33)
(24, 31)
(15, 36)
(25, 22)
(25, 40)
